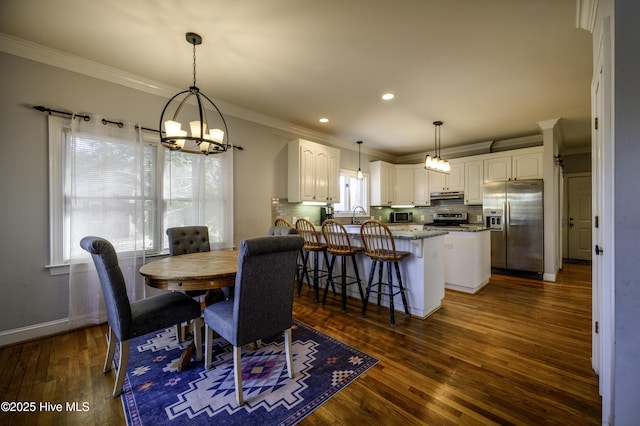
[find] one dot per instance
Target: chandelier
(436, 163)
(207, 140)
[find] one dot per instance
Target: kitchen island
(467, 259)
(422, 272)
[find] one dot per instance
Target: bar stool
(380, 247)
(313, 245)
(338, 245)
(280, 222)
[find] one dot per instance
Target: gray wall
(627, 211)
(29, 295)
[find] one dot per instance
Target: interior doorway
(579, 218)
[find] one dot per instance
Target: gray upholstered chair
(263, 301)
(189, 239)
(281, 230)
(131, 319)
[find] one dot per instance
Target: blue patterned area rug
(156, 393)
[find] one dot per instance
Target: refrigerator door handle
(508, 220)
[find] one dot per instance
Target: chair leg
(122, 368)
(344, 283)
(390, 284)
(287, 345)
(111, 350)
(366, 298)
(305, 270)
(380, 269)
(326, 263)
(208, 344)
(404, 298)
(237, 373)
(316, 279)
(329, 280)
(197, 337)
(355, 268)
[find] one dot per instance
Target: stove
(450, 219)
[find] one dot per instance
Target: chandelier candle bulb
(195, 129)
(217, 135)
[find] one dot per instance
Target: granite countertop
(461, 228)
(401, 234)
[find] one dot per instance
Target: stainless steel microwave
(401, 217)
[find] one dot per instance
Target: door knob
(599, 250)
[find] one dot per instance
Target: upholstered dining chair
(281, 230)
(131, 319)
(263, 302)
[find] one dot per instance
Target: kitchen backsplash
(281, 208)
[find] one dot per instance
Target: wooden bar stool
(280, 222)
(380, 246)
(338, 245)
(313, 245)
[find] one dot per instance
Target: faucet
(355, 221)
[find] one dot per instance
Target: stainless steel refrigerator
(514, 212)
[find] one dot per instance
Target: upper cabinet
(525, 164)
(314, 172)
(421, 186)
(453, 181)
(473, 182)
(404, 193)
(382, 180)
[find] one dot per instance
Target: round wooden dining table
(205, 270)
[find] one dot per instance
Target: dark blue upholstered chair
(128, 320)
(189, 239)
(263, 301)
(281, 230)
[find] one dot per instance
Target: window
(131, 191)
(353, 193)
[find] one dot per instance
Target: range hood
(447, 195)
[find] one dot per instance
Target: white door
(579, 189)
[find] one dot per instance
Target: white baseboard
(34, 331)
(549, 277)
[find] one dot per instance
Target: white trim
(586, 11)
(17, 335)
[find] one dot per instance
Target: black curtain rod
(104, 121)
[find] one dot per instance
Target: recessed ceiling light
(324, 120)
(388, 96)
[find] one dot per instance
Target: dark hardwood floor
(518, 352)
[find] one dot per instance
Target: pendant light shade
(359, 175)
(200, 135)
(436, 163)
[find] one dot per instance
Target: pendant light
(436, 163)
(206, 139)
(359, 175)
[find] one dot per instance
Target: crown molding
(59, 59)
(586, 11)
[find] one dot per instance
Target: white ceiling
(489, 69)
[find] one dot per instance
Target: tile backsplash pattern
(281, 208)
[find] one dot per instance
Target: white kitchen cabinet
(497, 169)
(314, 172)
(453, 181)
(527, 166)
(522, 164)
(473, 182)
(421, 186)
(382, 176)
(404, 185)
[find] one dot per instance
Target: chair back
(263, 299)
(377, 239)
(308, 231)
(113, 284)
(188, 239)
(336, 237)
(281, 230)
(280, 222)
